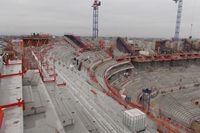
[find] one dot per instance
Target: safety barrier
(19, 103)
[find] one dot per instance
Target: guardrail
(19, 103)
(160, 57)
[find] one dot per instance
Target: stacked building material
(135, 120)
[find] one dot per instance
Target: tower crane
(95, 6)
(178, 19)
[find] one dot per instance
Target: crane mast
(178, 19)
(95, 29)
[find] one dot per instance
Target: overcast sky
(135, 18)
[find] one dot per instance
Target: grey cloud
(140, 18)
